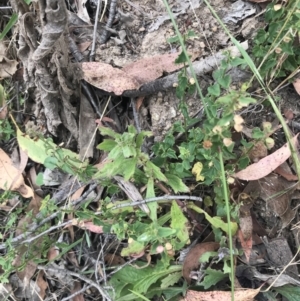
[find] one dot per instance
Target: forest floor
(126, 176)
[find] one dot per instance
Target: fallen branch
(201, 67)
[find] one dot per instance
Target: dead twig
(159, 198)
(34, 226)
(201, 67)
(76, 275)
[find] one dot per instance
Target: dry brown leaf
(266, 165)
(3, 106)
(72, 257)
(191, 261)
(258, 151)
(151, 68)
(285, 171)
(132, 76)
(27, 273)
(139, 102)
(108, 78)
(77, 287)
(239, 295)
(86, 225)
(246, 245)
(288, 114)
(113, 260)
(84, 46)
(277, 193)
(42, 284)
(7, 67)
(3, 112)
(82, 12)
(296, 84)
(245, 216)
(11, 178)
(53, 252)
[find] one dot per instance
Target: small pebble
(202, 45)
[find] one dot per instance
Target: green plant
(275, 47)
(126, 158)
(6, 130)
(213, 136)
(12, 21)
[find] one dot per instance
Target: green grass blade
(12, 21)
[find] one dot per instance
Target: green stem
(226, 197)
(184, 50)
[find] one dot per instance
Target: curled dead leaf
(11, 178)
(191, 261)
(266, 165)
(108, 78)
(239, 295)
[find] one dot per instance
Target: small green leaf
(257, 133)
(261, 36)
(224, 81)
(108, 132)
(243, 162)
(287, 48)
(217, 74)
(150, 194)
(132, 130)
(146, 237)
(212, 277)
(237, 61)
(191, 34)
(181, 58)
(226, 100)
(130, 168)
(40, 149)
(174, 39)
(12, 21)
(176, 183)
(116, 152)
(156, 273)
(40, 179)
(214, 89)
(290, 292)
(179, 222)
(139, 140)
(134, 247)
(154, 171)
(245, 101)
(51, 163)
(165, 232)
(206, 256)
(129, 151)
(107, 145)
(225, 119)
(216, 221)
(170, 280)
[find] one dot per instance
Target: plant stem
(184, 50)
(226, 197)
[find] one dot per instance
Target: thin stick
(85, 287)
(159, 198)
(79, 276)
(34, 225)
(92, 54)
